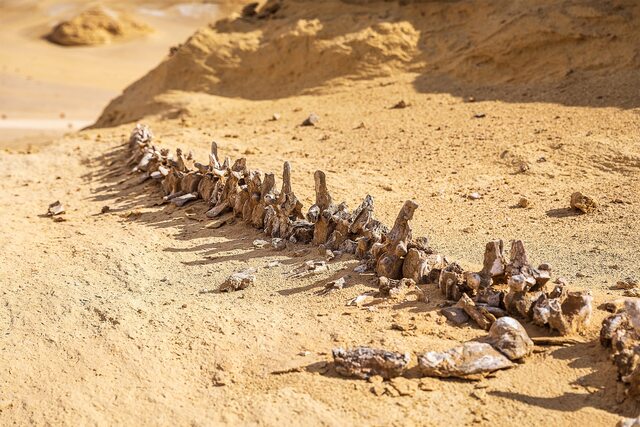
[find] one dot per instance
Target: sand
(102, 314)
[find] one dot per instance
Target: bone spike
(323, 198)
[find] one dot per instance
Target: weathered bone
(472, 360)
(480, 315)
(390, 256)
(365, 362)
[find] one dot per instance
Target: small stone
(239, 280)
(583, 203)
(523, 202)
(276, 117)
(400, 105)
(361, 268)
(312, 120)
(474, 196)
(278, 244)
(55, 208)
(259, 243)
(105, 209)
(509, 337)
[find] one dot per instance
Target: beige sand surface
(101, 316)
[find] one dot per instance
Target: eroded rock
(239, 280)
(583, 203)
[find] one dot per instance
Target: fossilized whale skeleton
(506, 283)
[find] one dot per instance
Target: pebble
(278, 244)
(312, 120)
(474, 196)
(523, 202)
(259, 243)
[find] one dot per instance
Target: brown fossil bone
(171, 182)
(620, 332)
(493, 267)
(390, 255)
(471, 360)
(365, 362)
(452, 282)
(483, 318)
(267, 198)
(287, 207)
(254, 188)
(510, 338)
(322, 223)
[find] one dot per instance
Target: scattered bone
(55, 208)
(472, 360)
(480, 315)
(583, 203)
(333, 285)
(184, 199)
(239, 280)
(455, 315)
(395, 289)
(509, 337)
(259, 243)
(365, 362)
(359, 300)
(360, 268)
(309, 268)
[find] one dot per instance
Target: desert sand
(102, 315)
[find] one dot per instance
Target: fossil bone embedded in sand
(480, 315)
(365, 362)
(390, 256)
(509, 337)
(471, 360)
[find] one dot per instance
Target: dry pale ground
(102, 317)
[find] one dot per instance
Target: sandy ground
(104, 323)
